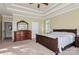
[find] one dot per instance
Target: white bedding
(64, 38)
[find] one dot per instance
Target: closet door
(35, 28)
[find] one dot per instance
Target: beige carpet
(30, 47)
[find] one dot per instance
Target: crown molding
(51, 7)
(58, 7)
(25, 12)
(27, 8)
(65, 10)
(7, 16)
(27, 16)
(54, 10)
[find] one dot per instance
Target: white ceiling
(34, 6)
(31, 11)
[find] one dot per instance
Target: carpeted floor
(30, 47)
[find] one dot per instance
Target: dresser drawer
(77, 44)
(22, 35)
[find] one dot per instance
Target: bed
(56, 40)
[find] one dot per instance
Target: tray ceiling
(31, 10)
(35, 5)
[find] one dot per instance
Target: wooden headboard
(66, 30)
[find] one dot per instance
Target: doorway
(35, 28)
(8, 31)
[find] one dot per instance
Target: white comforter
(64, 38)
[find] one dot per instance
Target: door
(0, 29)
(7, 30)
(35, 28)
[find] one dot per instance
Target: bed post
(56, 53)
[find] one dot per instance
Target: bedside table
(77, 41)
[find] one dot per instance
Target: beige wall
(18, 18)
(15, 19)
(67, 20)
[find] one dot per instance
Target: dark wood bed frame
(52, 43)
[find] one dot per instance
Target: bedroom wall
(18, 18)
(67, 20)
(0, 27)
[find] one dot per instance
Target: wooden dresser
(22, 35)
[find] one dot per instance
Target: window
(48, 26)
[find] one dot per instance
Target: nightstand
(77, 41)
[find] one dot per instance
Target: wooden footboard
(50, 43)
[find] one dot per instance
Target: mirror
(10, 27)
(22, 25)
